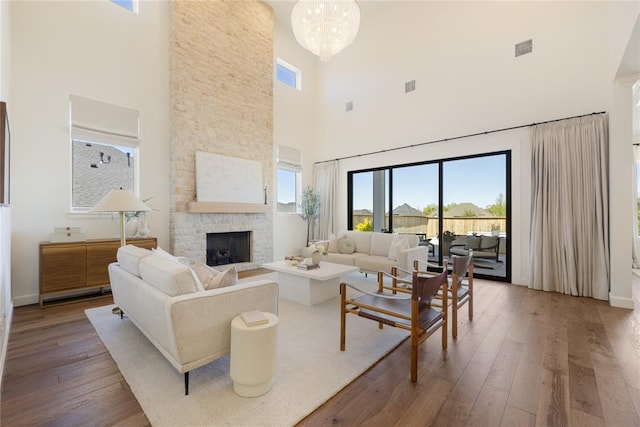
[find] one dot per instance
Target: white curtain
(325, 182)
(634, 209)
(569, 250)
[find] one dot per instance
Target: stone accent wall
(221, 88)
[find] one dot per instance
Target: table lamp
(120, 201)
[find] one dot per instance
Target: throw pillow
(333, 244)
(397, 245)
(203, 274)
(226, 278)
(346, 246)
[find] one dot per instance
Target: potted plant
(495, 229)
(447, 238)
(310, 206)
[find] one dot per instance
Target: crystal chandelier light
(325, 27)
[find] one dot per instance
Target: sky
(478, 180)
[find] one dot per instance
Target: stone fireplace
(221, 102)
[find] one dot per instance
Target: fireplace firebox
(228, 248)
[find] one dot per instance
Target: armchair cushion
(488, 242)
(473, 242)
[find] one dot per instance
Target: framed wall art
(4, 155)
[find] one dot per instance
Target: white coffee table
(309, 287)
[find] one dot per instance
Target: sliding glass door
(452, 205)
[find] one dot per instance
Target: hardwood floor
(527, 358)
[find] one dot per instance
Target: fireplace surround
(228, 248)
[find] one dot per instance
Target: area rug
(310, 367)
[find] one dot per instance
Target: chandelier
(325, 27)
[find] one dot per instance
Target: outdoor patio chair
(412, 312)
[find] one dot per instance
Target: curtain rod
(457, 137)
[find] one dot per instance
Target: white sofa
(190, 327)
(372, 250)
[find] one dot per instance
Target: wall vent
(349, 106)
(524, 47)
(410, 86)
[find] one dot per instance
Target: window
(438, 200)
(104, 151)
(289, 179)
(131, 5)
(288, 74)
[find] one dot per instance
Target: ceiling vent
(410, 86)
(524, 47)
(349, 106)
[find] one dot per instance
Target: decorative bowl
(293, 260)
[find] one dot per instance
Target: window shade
(290, 158)
(101, 122)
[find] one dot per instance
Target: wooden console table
(79, 266)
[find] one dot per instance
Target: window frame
(96, 122)
(295, 70)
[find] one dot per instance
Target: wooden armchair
(410, 312)
(461, 288)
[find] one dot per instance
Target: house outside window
(104, 151)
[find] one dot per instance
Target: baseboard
(5, 342)
(621, 302)
(26, 300)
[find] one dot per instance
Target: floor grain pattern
(528, 358)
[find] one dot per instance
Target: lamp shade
(120, 201)
(325, 27)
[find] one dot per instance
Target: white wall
(294, 126)
(96, 50)
(6, 305)
(461, 55)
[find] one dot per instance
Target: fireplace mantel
(223, 207)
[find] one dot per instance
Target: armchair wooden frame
(412, 312)
(460, 287)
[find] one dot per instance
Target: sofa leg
(186, 383)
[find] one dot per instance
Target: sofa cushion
(228, 277)
(166, 275)
(129, 257)
(381, 243)
(362, 240)
(398, 244)
(346, 246)
(375, 263)
(338, 258)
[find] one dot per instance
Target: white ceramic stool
(253, 355)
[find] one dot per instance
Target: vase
(316, 257)
(143, 226)
(131, 227)
(495, 232)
